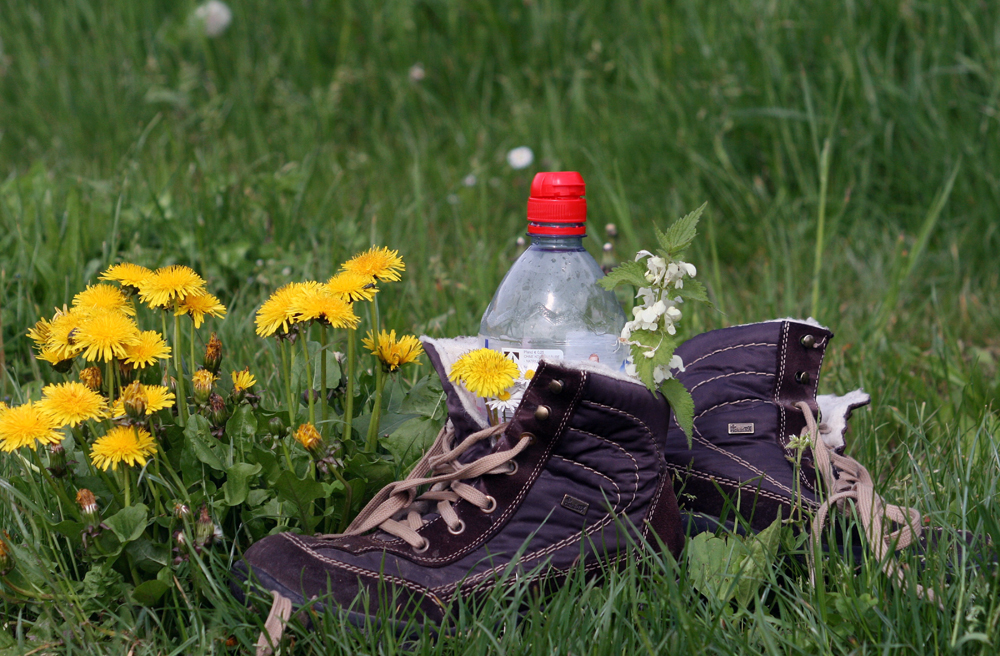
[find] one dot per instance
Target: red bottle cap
(557, 206)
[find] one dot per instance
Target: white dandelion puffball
(215, 16)
(520, 157)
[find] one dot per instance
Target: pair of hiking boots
(589, 469)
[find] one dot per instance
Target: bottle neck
(557, 243)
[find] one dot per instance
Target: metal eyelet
(492, 505)
(531, 437)
(513, 468)
(542, 413)
(425, 547)
(802, 377)
(555, 386)
(459, 530)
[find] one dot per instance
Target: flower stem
(309, 378)
(288, 384)
(127, 486)
(322, 374)
(372, 442)
(349, 399)
(166, 363)
(348, 500)
(55, 486)
(192, 361)
(179, 369)
(109, 381)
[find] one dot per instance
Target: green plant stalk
(109, 381)
(127, 486)
(287, 371)
(179, 369)
(55, 486)
(349, 399)
(380, 376)
(309, 386)
(322, 373)
(166, 363)
(824, 181)
(191, 365)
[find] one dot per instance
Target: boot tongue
(462, 411)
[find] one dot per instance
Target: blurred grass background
(856, 138)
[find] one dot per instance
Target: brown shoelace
(845, 478)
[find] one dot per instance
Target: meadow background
(848, 152)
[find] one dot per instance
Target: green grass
(297, 138)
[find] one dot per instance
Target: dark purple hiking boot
(758, 445)
(577, 475)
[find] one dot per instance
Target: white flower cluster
(505, 403)
(658, 308)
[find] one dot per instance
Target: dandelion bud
(88, 507)
(218, 413)
(309, 437)
(276, 427)
(91, 377)
(213, 354)
(6, 555)
(135, 401)
(204, 528)
(57, 460)
(203, 380)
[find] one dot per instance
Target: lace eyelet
(422, 549)
(492, 505)
(513, 468)
(530, 437)
(459, 530)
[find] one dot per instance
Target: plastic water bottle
(549, 305)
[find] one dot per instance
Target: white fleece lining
(834, 411)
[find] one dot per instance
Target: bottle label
(526, 359)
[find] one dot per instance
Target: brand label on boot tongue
(574, 504)
(741, 429)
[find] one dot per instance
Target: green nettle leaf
(128, 523)
(693, 290)
(150, 592)
(199, 438)
(243, 423)
(681, 404)
(627, 273)
(681, 232)
(237, 485)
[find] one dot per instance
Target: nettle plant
(663, 282)
(147, 456)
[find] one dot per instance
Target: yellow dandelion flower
(392, 352)
(168, 284)
(3, 407)
(92, 378)
(52, 356)
(158, 397)
(243, 380)
(484, 372)
(350, 286)
(127, 275)
(378, 263)
(198, 305)
(25, 425)
(129, 444)
(40, 333)
(308, 436)
(276, 312)
(71, 404)
(203, 380)
(106, 335)
(102, 297)
(314, 302)
(63, 331)
(147, 349)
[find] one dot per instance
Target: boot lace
(845, 478)
(398, 510)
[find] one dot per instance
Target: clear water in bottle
(549, 305)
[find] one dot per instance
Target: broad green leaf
(425, 398)
(759, 560)
(243, 423)
(408, 442)
(708, 566)
(681, 404)
(693, 290)
(203, 445)
(128, 523)
(300, 492)
(237, 485)
(627, 273)
(332, 368)
(681, 232)
(150, 592)
(149, 556)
